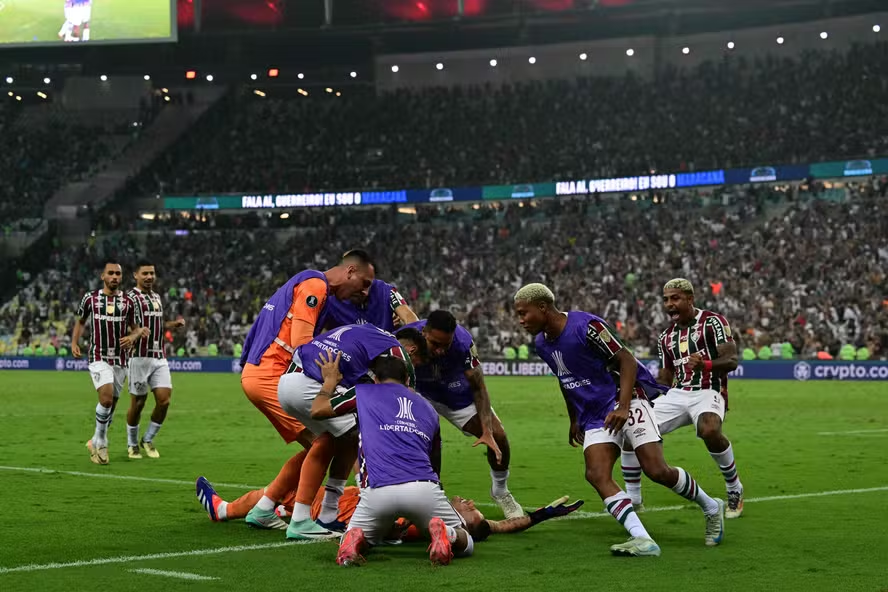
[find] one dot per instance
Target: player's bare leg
(84, 35)
(161, 406)
(654, 465)
(600, 459)
(98, 444)
(709, 429)
(499, 471)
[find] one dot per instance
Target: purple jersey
(268, 322)
(382, 302)
(398, 430)
(444, 379)
(358, 344)
(583, 358)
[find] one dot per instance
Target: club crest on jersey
(695, 336)
(405, 409)
(311, 301)
(560, 367)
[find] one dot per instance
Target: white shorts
(103, 373)
(148, 374)
(418, 501)
(77, 15)
(641, 428)
(458, 417)
(296, 391)
(678, 408)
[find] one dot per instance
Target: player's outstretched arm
(485, 413)
(554, 509)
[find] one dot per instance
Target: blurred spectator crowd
(806, 268)
(733, 112)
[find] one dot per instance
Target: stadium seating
(804, 272)
(733, 112)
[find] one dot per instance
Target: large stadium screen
(69, 22)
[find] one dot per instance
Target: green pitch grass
(797, 532)
(39, 21)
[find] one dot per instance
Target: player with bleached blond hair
(607, 392)
(696, 353)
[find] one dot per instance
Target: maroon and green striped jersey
(148, 312)
(676, 344)
(107, 317)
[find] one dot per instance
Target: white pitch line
(182, 575)
(853, 432)
(121, 477)
(579, 515)
(151, 557)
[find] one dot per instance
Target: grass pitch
(39, 21)
(809, 455)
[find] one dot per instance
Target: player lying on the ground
(606, 390)
(476, 523)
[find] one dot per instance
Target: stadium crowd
(37, 159)
(732, 112)
(807, 269)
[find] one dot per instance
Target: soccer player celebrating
(108, 312)
(293, 314)
(451, 378)
(606, 391)
(382, 306)
(696, 353)
(400, 459)
(357, 346)
(148, 368)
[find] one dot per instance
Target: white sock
(266, 503)
(500, 482)
(85, 34)
(451, 534)
(66, 28)
(132, 435)
(222, 511)
(300, 512)
(152, 430)
(687, 488)
(330, 506)
(103, 416)
(725, 462)
(631, 475)
(620, 507)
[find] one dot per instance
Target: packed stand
(36, 160)
(808, 272)
(732, 112)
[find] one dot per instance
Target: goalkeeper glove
(555, 509)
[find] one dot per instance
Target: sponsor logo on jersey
(560, 368)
